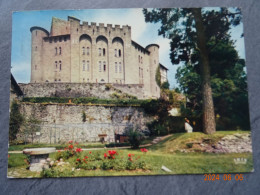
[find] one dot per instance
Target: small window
(55, 39)
(104, 51)
(56, 50)
(50, 40)
(59, 80)
(119, 52)
(99, 66)
(139, 59)
(104, 66)
(77, 29)
(56, 65)
(83, 62)
(83, 50)
(65, 38)
(60, 50)
(93, 31)
(87, 65)
(60, 39)
(99, 51)
(36, 48)
(55, 80)
(115, 66)
(88, 52)
(60, 65)
(120, 67)
(115, 52)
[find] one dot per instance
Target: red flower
(144, 150)
(78, 150)
(90, 152)
(70, 142)
(8, 155)
(86, 156)
(71, 147)
(78, 159)
(129, 155)
(105, 155)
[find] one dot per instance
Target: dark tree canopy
(194, 34)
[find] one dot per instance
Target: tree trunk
(209, 124)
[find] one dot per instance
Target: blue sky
(143, 33)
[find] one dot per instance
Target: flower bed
(73, 159)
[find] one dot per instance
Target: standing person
(188, 127)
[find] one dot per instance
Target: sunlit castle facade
(88, 53)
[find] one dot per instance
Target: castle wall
(64, 122)
(81, 90)
(93, 53)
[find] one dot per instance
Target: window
(88, 51)
(59, 80)
(60, 50)
(55, 39)
(56, 65)
(120, 67)
(56, 50)
(87, 65)
(60, 39)
(36, 48)
(50, 40)
(83, 50)
(104, 66)
(60, 65)
(139, 58)
(99, 66)
(115, 52)
(55, 80)
(104, 51)
(83, 62)
(99, 51)
(65, 38)
(119, 52)
(115, 66)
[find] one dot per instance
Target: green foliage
(16, 120)
(165, 85)
(124, 100)
(16, 160)
(135, 138)
(158, 76)
(83, 116)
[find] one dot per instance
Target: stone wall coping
(39, 151)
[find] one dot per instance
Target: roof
(164, 67)
(17, 89)
(39, 28)
(141, 47)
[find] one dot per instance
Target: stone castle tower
(88, 53)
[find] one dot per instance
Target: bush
(135, 138)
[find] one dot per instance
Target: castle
(88, 53)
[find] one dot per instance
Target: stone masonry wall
(64, 122)
(98, 90)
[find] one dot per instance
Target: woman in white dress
(188, 127)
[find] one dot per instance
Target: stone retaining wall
(100, 90)
(64, 122)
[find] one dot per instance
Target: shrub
(135, 138)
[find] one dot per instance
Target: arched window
(83, 63)
(56, 50)
(104, 51)
(60, 50)
(120, 67)
(87, 65)
(104, 66)
(88, 52)
(115, 66)
(99, 51)
(119, 52)
(115, 52)
(60, 65)
(99, 66)
(83, 50)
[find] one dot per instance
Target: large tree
(189, 30)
